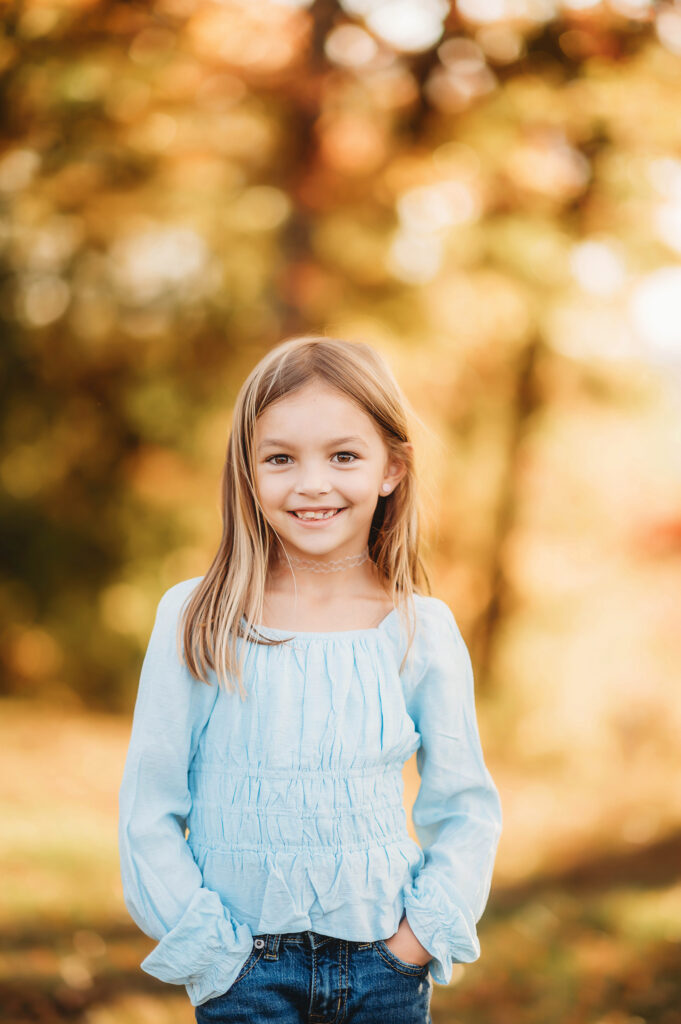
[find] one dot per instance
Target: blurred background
(489, 192)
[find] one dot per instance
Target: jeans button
(259, 943)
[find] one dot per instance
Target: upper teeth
(316, 515)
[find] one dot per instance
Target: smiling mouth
(309, 515)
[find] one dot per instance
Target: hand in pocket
(406, 947)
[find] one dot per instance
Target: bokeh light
(655, 307)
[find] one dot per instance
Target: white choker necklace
(335, 565)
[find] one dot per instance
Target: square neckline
(295, 633)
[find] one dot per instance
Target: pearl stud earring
(385, 487)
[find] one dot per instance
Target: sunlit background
(489, 192)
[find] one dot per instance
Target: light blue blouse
(293, 797)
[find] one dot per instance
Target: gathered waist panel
(275, 810)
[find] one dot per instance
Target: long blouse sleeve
(200, 945)
(457, 812)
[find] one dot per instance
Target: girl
(279, 697)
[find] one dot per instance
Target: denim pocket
(401, 966)
(249, 964)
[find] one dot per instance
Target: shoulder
(429, 616)
(170, 606)
(434, 616)
(165, 671)
(173, 599)
(439, 643)
(442, 663)
(436, 638)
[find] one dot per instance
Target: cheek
(361, 487)
(270, 488)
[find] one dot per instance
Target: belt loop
(272, 950)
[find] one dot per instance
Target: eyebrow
(277, 443)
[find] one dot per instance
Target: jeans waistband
(272, 941)
(305, 938)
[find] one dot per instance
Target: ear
(395, 470)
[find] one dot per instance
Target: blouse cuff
(440, 928)
(204, 951)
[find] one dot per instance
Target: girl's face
(317, 451)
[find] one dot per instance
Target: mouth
(315, 515)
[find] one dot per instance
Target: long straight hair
(228, 602)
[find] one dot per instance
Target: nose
(312, 479)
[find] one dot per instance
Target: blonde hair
(233, 588)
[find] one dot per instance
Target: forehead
(316, 411)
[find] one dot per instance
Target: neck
(321, 577)
(327, 565)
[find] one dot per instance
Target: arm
(457, 813)
(200, 945)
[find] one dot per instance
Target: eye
(271, 459)
(346, 457)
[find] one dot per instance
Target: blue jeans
(307, 978)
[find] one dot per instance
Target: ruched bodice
(293, 797)
(317, 811)
(309, 708)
